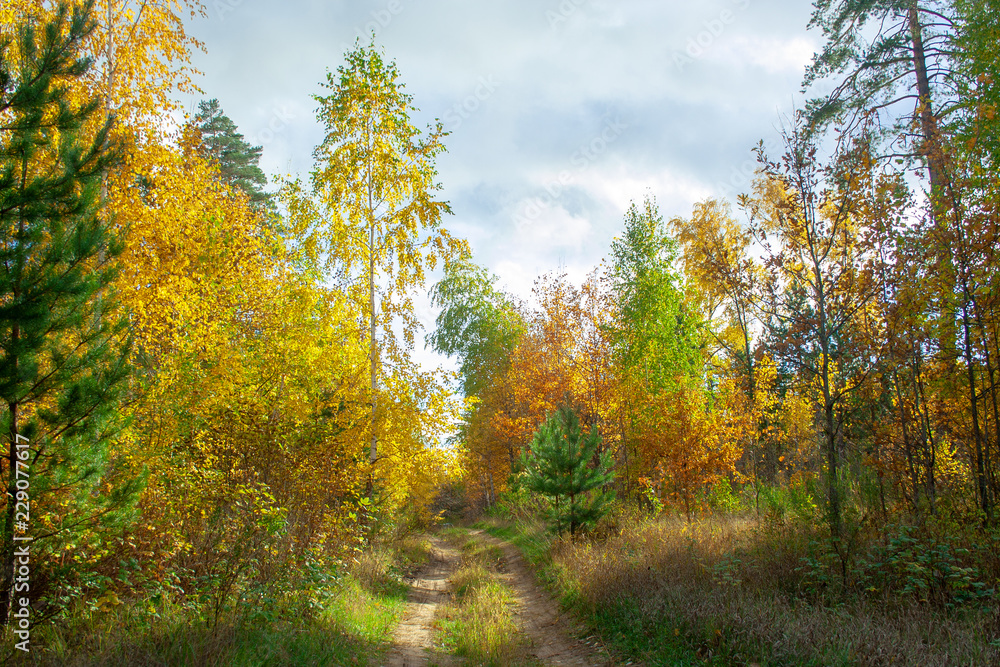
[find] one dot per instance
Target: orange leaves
(563, 356)
(684, 444)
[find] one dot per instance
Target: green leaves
(656, 334)
(63, 349)
(478, 323)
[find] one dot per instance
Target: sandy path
(552, 633)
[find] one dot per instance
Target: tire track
(412, 641)
(553, 635)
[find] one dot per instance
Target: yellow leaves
(249, 364)
(143, 57)
(108, 602)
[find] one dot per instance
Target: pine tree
(62, 352)
(559, 468)
(238, 161)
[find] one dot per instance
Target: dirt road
(553, 635)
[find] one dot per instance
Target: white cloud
(545, 224)
(622, 185)
(771, 54)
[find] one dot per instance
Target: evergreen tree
(62, 355)
(894, 59)
(559, 468)
(238, 161)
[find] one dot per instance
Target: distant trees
(482, 326)
(627, 348)
(238, 161)
(655, 332)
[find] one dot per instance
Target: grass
(478, 624)
(729, 590)
(331, 617)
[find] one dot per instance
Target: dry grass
(730, 591)
(413, 551)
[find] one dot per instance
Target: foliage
(247, 415)
(722, 498)
(477, 323)
(321, 613)
(930, 570)
(656, 332)
(378, 223)
(833, 354)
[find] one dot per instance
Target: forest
(763, 431)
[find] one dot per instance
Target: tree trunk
(928, 122)
(907, 442)
(927, 433)
(7, 583)
(373, 454)
(977, 438)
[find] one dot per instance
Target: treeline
(201, 380)
(836, 341)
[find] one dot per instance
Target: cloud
(550, 226)
(773, 55)
(529, 101)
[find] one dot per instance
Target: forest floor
(548, 636)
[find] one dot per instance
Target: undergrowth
(732, 589)
(321, 614)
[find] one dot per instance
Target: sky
(560, 112)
